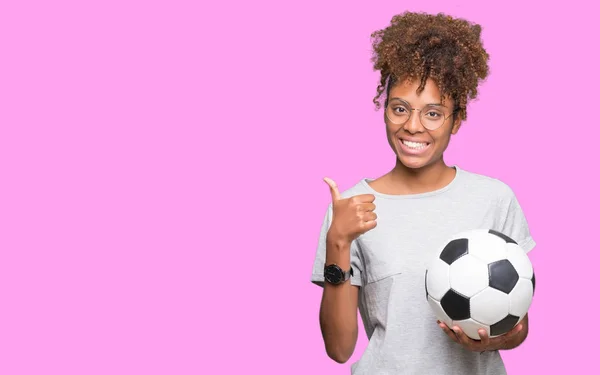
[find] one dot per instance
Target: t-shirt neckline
(457, 177)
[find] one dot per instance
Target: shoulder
(488, 186)
(360, 187)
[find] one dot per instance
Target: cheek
(391, 136)
(442, 139)
(389, 133)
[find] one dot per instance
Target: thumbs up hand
(351, 216)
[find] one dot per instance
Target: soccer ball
(480, 279)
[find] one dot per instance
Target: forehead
(407, 90)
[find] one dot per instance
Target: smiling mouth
(414, 145)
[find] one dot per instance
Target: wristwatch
(335, 275)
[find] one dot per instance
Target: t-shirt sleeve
(319, 262)
(515, 224)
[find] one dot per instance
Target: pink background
(161, 169)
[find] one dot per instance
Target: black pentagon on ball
(533, 282)
(503, 275)
(502, 235)
(504, 325)
(454, 250)
(457, 307)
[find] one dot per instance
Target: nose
(413, 125)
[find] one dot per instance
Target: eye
(433, 114)
(399, 110)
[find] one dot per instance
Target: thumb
(335, 193)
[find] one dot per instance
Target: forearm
(338, 315)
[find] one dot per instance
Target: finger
(514, 331)
(460, 335)
(367, 207)
(463, 338)
(368, 225)
(497, 342)
(484, 337)
(448, 331)
(364, 198)
(335, 193)
(369, 216)
(508, 335)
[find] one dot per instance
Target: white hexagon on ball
(520, 298)
(439, 311)
(519, 259)
(468, 275)
(438, 279)
(487, 247)
(489, 306)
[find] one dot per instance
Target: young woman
(379, 236)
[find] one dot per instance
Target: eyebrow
(405, 101)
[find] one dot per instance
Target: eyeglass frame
(412, 109)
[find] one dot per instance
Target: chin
(413, 163)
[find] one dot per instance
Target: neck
(420, 180)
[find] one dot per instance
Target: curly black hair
(420, 46)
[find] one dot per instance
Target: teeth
(415, 145)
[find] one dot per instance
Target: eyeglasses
(432, 116)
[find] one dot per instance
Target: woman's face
(414, 145)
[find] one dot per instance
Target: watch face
(334, 274)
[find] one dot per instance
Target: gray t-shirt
(389, 265)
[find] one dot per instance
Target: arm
(351, 217)
(338, 312)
